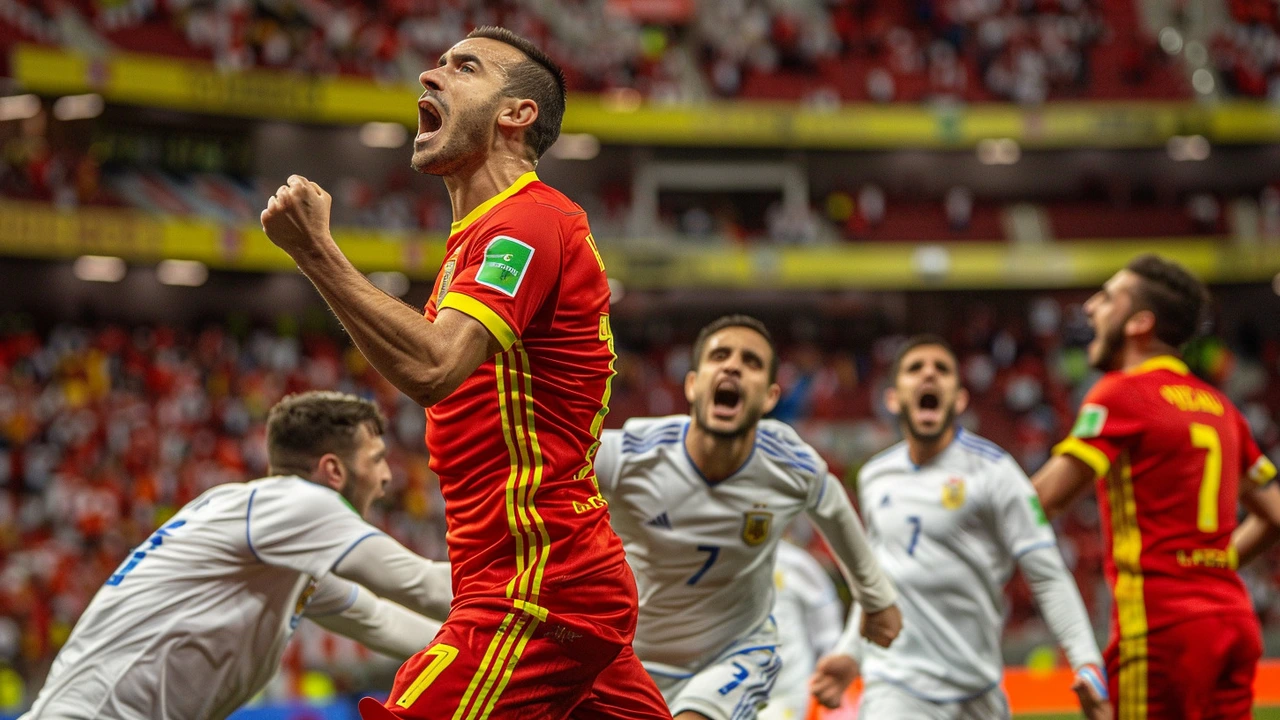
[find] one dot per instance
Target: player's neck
(1133, 355)
(718, 457)
(472, 186)
(923, 451)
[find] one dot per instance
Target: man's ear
(962, 401)
(330, 472)
(891, 401)
(771, 398)
(518, 114)
(689, 379)
(1142, 322)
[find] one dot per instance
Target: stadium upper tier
(815, 50)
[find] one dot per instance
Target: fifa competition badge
(1092, 419)
(505, 262)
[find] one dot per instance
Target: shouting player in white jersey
(195, 620)
(700, 502)
(809, 615)
(949, 514)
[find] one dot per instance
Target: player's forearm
(1253, 537)
(397, 340)
(394, 572)
(840, 527)
(381, 626)
(1060, 605)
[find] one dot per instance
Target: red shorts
(514, 666)
(1200, 669)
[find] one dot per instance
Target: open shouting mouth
(430, 120)
(726, 400)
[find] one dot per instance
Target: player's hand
(882, 627)
(1091, 688)
(297, 216)
(831, 678)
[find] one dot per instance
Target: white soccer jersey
(948, 534)
(703, 553)
(810, 617)
(194, 622)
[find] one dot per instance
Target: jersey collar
(1161, 362)
(492, 202)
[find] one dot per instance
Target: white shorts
(733, 686)
(882, 700)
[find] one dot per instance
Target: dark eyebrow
(461, 57)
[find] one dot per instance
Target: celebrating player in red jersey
(513, 360)
(1171, 456)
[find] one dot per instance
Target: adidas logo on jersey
(661, 520)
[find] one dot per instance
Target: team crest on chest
(446, 275)
(755, 526)
(953, 493)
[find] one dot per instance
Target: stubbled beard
(948, 420)
(1109, 349)
(468, 139)
(749, 419)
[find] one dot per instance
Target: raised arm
(424, 360)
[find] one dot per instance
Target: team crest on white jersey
(953, 493)
(755, 526)
(446, 276)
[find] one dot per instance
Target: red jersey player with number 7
(1171, 456)
(513, 361)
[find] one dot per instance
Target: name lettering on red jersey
(1189, 399)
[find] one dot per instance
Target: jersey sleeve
(608, 461)
(302, 526)
(504, 277)
(1107, 424)
(1255, 466)
(1015, 511)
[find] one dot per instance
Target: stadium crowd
(106, 430)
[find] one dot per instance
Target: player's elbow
(429, 385)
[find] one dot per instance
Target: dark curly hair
(1176, 297)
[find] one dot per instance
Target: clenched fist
(831, 678)
(882, 627)
(297, 216)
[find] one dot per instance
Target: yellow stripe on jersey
(515, 459)
(1263, 471)
(1131, 611)
(492, 202)
(485, 665)
(491, 320)
(510, 669)
(487, 697)
(1086, 453)
(1160, 362)
(543, 537)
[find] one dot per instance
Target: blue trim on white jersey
(979, 446)
(758, 692)
(790, 462)
(921, 696)
(790, 451)
(636, 444)
(248, 512)
(669, 675)
(351, 600)
(685, 446)
(1036, 546)
(822, 489)
(351, 547)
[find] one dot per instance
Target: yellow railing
(194, 86)
(37, 230)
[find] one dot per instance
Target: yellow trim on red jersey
(519, 428)
(496, 667)
(492, 202)
(1160, 362)
(1131, 609)
(491, 320)
(1086, 453)
(1263, 471)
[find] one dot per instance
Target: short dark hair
(914, 342)
(303, 427)
(1176, 297)
(539, 79)
(736, 320)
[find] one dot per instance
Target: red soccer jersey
(1170, 452)
(513, 444)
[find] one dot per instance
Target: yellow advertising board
(195, 86)
(37, 230)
